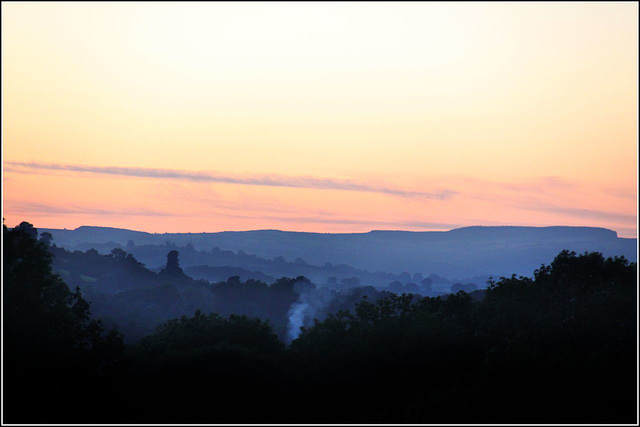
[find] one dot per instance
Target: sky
(321, 117)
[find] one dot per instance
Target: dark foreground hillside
(556, 348)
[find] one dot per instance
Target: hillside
(458, 253)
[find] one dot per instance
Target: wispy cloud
(543, 183)
(622, 192)
(41, 208)
(584, 213)
(269, 180)
(537, 185)
(352, 221)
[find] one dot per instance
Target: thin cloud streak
(542, 184)
(622, 192)
(258, 180)
(40, 208)
(350, 221)
(584, 213)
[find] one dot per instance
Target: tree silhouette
(52, 349)
(173, 268)
(46, 238)
(27, 228)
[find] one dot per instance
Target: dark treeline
(559, 347)
(217, 264)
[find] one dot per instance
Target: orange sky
(320, 116)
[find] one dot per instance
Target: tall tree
(52, 348)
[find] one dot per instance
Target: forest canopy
(556, 347)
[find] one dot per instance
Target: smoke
(310, 305)
(296, 319)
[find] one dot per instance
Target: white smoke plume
(310, 305)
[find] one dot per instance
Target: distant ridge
(474, 228)
(511, 228)
(461, 252)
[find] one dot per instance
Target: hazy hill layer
(462, 252)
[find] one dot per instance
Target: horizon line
(353, 232)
